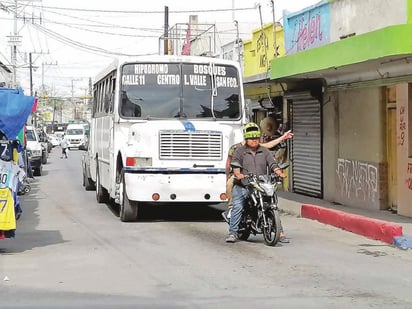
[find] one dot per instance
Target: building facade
(347, 78)
(5, 73)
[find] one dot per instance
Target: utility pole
(31, 74)
(238, 42)
(15, 40)
(166, 33)
(42, 74)
(274, 29)
(72, 98)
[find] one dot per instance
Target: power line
(101, 24)
(58, 37)
(94, 49)
(145, 12)
(105, 32)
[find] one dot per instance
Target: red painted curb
(369, 227)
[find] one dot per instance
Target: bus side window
(111, 106)
(107, 102)
(112, 93)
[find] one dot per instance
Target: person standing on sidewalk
(254, 159)
(64, 144)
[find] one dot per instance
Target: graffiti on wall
(402, 126)
(409, 179)
(262, 45)
(358, 181)
(307, 29)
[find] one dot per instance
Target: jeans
(240, 194)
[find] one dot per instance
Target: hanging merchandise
(7, 214)
(15, 108)
(11, 179)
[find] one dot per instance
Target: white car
(54, 140)
(34, 150)
(76, 136)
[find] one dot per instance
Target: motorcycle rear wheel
(271, 232)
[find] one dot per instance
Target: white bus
(160, 130)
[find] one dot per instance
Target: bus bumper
(185, 187)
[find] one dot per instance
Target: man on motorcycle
(229, 171)
(254, 159)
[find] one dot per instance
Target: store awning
(383, 54)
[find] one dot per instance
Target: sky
(71, 41)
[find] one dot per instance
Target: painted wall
(331, 21)
(360, 124)
(259, 51)
(306, 29)
(358, 17)
(409, 12)
(354, 165)
(330, 127)
(404, 129)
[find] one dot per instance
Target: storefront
(351, 103)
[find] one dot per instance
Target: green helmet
(251, 130)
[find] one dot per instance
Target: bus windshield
(180, 90)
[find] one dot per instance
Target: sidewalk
(376, 224)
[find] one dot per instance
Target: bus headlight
(138, 162)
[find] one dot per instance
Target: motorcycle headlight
(268, 188)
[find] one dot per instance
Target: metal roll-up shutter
(306, 149)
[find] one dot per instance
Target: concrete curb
(369, 227)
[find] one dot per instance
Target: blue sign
(307, 28)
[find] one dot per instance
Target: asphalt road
(71, 252)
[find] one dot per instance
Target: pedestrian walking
(64, 144)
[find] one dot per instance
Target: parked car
(34, 150)
(54, 140)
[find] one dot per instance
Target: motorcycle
(260, 214)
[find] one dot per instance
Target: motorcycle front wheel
(271, 232)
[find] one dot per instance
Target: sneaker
(283, 239)
(231, 238)
(225, 216)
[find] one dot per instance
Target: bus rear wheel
(128, 208)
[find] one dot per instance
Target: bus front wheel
(128, 209)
